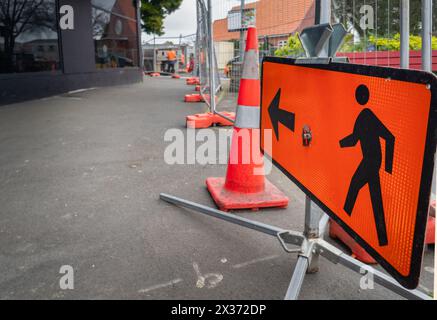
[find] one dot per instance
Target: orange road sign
(360, 142)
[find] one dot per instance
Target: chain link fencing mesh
(373, 34)
(203, 50)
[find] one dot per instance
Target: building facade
(55, 46)
(273, 28)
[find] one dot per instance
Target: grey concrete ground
(80, 176)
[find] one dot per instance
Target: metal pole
(211, 63)
(405, 34)
(426, 35)
(325, 11)
(254, 225)
(297, 279)
(139, 37)
(242, 30)
(154, 54)
(198, 39)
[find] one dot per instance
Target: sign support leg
(310, 248)
(297, 279)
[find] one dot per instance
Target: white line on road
(160, 286)
(247, 263)
(80, 90)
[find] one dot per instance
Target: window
(282, 43)
(115, 33)
(24, 38)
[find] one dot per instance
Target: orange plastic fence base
(154, 74)
(193, 81)
(206, 120)
(176, 76)
(336, 232)
(197, 88)
(195, 97)
(230, 200)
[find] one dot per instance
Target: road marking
(160, 286)
(80, 90)
(213, 278)
(248, 263)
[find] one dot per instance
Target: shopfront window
(28, 36)
(115, 33)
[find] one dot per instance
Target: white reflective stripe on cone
(247, 117)
(251, 65)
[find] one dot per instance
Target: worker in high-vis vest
(171, 60)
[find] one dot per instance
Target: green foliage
(384, 44)
(293, 48)
(153, 13)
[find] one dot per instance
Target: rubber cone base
(195, 97)
(206, 120)
(336, 232)
(430, 231)
(229, 200)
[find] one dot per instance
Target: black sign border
(410, 281)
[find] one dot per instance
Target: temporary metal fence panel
(374, 33)
(276, 22)
(204, 51)
(386, 33)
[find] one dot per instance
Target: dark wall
(77, 45)
(79, 69)
(39, 85)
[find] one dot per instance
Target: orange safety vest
(171, 55)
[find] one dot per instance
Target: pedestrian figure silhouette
(368, 129)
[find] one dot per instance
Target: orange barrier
(176, 76)
(245, 186)
(206, 120)
(193, 81)
(195, 97)
(430, 227)
(336, 232)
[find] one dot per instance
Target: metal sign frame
(411, 280)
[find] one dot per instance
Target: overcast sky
(183, 21)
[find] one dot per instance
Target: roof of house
(273, 17)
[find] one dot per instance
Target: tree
(20, 16)
(386, 14)
(153, 13)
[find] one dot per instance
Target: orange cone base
(336, 232)
(195, 97)
(176, 76)
(206, 120)
(430, 231)
(193, 81)
(230, 200)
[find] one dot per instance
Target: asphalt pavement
(80, 177)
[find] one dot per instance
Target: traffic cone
(245, 186)
(358, 252)
(430, 226)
